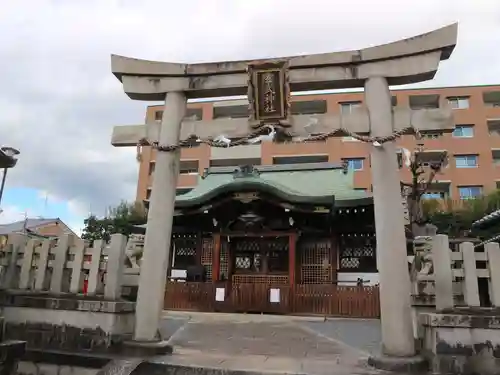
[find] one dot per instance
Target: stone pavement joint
(260, 344)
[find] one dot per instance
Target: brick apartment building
(474, 147)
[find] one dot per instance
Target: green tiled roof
(313, 183)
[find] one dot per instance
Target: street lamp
(7, 160)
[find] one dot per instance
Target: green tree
(455, 218)
(120, 219)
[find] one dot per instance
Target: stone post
(115, 266)
(395, 301)
(493, 252)
(159, 228)
(443, 275)
(471, 287)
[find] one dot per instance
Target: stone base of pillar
(408, 365)
(146, 348)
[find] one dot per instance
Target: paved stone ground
(268, 344)
(362, 334)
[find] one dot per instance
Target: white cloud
(59, 100)
(11, 214)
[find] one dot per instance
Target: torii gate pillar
(407, 61)
(154, 266)
(392, 263)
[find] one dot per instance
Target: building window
(188, 167)
(464, 131)
(348, 107)
(468, 192)
(466, 161)
(231, 111)
(300, 159)
(148, 194)
(191, 113)
(152, 165)
(308, 107)
(361, 189)
(459, 102)
(433, 195)
(195, 114)
(432, 134)
(354, 164)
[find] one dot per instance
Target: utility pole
(4, 177)
(8, 160)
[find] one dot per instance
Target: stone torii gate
(268, 84)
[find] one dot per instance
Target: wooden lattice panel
(355, 249)
(206, 257)
(315, 262)
(224, 259)
(261, 279)
(314, 274)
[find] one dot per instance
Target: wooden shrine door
(258, 269)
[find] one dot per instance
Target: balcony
(300, 159)
(495, 156)
(235, 162)
(308, 107)
(424, 101)
(238, 152)
(428, 157)
(227, 109)
(491, 99)
(493, 126)
(494, 131)
(438, 190)
(194, 114)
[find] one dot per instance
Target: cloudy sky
(59, 101)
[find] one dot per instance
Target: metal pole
(4, 177)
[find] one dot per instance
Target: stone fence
(456, 306)
(64, 295)
(63, 265)
(451, 278)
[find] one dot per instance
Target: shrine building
(302, 229)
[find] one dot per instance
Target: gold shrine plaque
(269, 91)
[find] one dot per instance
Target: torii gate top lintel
(405, 61)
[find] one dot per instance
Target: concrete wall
(32, 368)
(110, 323)
(462, 342)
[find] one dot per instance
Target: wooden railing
(191, 296)
(325, 300)
(333, 300)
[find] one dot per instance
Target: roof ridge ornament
(245, 171)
